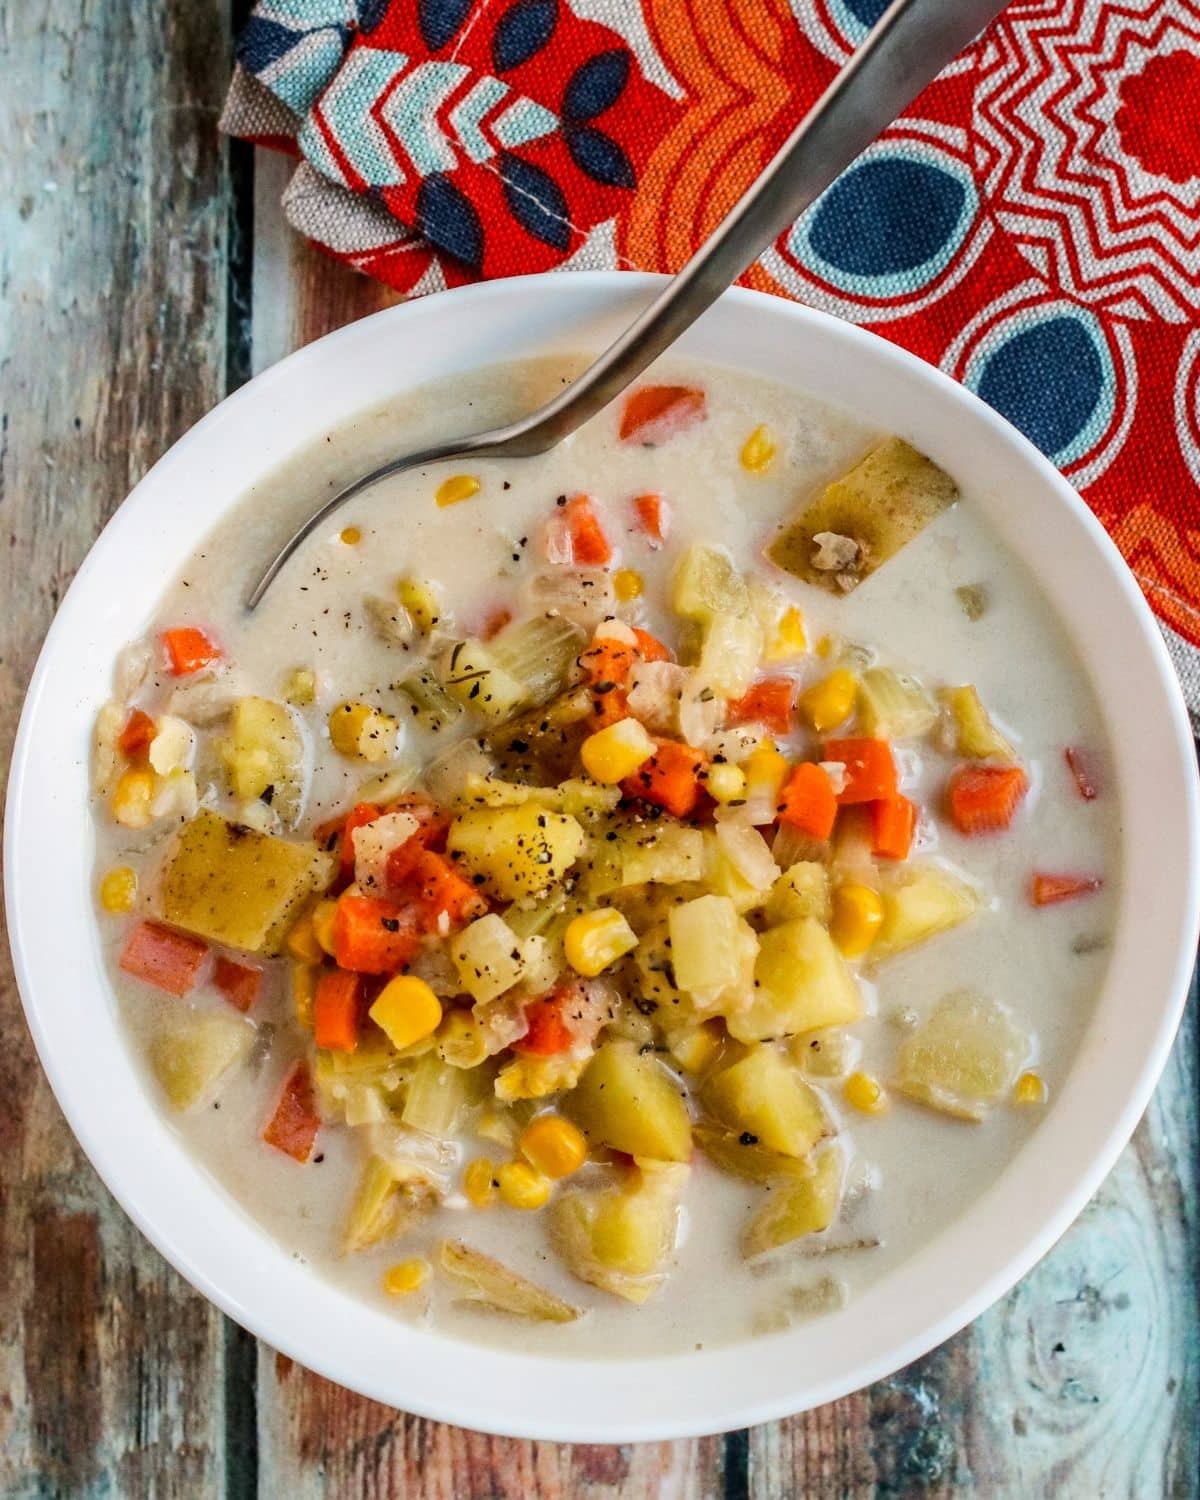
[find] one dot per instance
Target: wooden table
(144, 273)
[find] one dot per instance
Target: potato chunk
(235, 886)
(264, 749)
(482, 1279)
(628, 1101)
(385, 1206)
(802, 984)
(765, 1097)
(619, 1237)
(800, 1208)
(921, 900)
(190, 1056)
(744, 1158)
(880, 505)
(518, 851)
(964, 1058)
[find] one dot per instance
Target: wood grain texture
(113, 208)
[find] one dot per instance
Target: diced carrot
(239, 983)
(893, 823)
(337, 833)
(1081, 768)
(653, 516)
(650, 648)
(373, 936)
(495, 622)
(608, 660)
(589, 545)
(653, 413)
(609, 703)
(435, 824)
(768, 702)
(335, 1010)
(984, 799)
(1048, 890)
(870, 769)
(670, 778)
(168, 960)
(139, 730)
(548, 1033)
(808, 801)
(442, 892)
(189, 649)
(294, 1123)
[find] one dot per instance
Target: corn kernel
(553, 1146)
(758, 451)
(304, 993)
(766, 771)
(789, 640)
(857, 918)
(302, 942)
(406, 1277)
(521, 1186)
(596, 939)
(628, 584)
(613, 753)
(118, 889)
(457, 488)
(132, 798)
(322, 917)
(360, 730)
(300, 687)
(460, 1040)
(351, 536)
(725, 782)
(830, 702)
(479, 1182)
(421, 601)
(827, 645)
(406, 1010)
(1030, 1089)
(865, 1093)
(695, 1051)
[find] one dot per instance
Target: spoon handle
(908, 46)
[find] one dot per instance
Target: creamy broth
(911, 1171)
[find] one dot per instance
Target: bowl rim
(240, 1268)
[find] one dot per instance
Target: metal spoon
(908, 46)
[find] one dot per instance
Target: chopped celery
(707, 586)
(436, 1096)
(802, 984)
(893, 705)
(791, 847)
(426, 702)
(539, 654)
(541, 746)
(482, 1279)
(384, 1206)
(765, 1097)
(964, 1058)
(807, 1207)
(973, 733)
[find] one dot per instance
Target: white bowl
(228, 1257)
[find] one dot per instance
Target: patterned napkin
(1031, 225)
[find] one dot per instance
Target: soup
(614, 902)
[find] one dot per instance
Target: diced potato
(749, 1159)
(880, 505)
(707, 586)
(584, 595)
(107, 759)
(730, 655)
(972, 732)
(744, 868)
(487, 954)
(802, 984)
(801, 891)
(807, 1207)
(519, 851)
(358, 730)
(532, 1077)
(232, 885)
(482, 1279)
(664, 852)
(893, 705)
(192, 1054)
(765, 1096)
(619, 1237)
(384, 1206)
(656, 974)
(706, 949)
(173, 745)
(473, 676)
(964, 1058)
(628, 1101)
(918, 902)
(437, 1096)
(264, 749)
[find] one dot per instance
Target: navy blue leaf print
(263, 42)
(370, 13)
(536, 201)
(447, 218)
(523, 31)
(599, 156)
(596, 85)
(440, 19)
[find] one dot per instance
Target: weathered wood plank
(113, 211)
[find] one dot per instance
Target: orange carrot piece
(494, 622)
(650, 648)
(608, 660)
(168, 960)
(442, 892)
(1048, 890)
(139, 730)
(239, 983)
(589, 546)
(653, 516)
(653, 413)
(189, 649)
(294, 1123)
(870, 769)
(893, 823)
(808, 802)
(335, 1010)
(1081, 768)
(984, 799)
(670, 778)
(548, 1033)
(373, 936)
(336, 833)
(768, 701)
